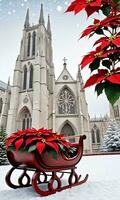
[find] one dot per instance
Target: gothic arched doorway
(25, 119)
(67, 130)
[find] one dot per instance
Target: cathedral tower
(33, 82)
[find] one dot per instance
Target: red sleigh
(47, 171)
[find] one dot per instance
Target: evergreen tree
(111, 141)
(3, 156)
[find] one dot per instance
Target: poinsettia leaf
(32, 148)
(116, 1)
(22, 149)
(19, 143)
(99, 88)
(40, 147)
(53, 145)
(106, 10)
(107, 63)
(112, 92)
(61, 147)
(11, 148)
(99, 31)
(95, 64)
(91, 34)
(53, 153)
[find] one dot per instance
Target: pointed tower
(41, 18)
(26, 24)
(79, 76)
(33, 84)
(49, 27)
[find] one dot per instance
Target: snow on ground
(103, 182)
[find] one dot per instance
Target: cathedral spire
(41, 19)
(26, 25)
(49, 26)
(65, 62)
(8, 84)
(79, 75)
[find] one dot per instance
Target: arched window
(93, 136)
(1, 104)
(66, 102)
(98, 136)
(28, 46)
(31, 77)
(26, 119)
(116, 111)
(33, 43)
(24, 78)
(67, 130)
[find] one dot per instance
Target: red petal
(96, 21)
(100, 40)
(29, 140)
(96, 3)
(40, 147)
(18, 143)
(116, 41)
(90, 10)
(9, 142)
(87, 31)
(53, 145)
(78, 8)
(86, 61)
(115, 78)
(96, 78)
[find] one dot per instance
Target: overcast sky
(66, 29)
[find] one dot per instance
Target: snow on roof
(103, 182)
(3, 86)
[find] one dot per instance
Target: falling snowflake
(59, 8)
(22, 4)
(9, 12)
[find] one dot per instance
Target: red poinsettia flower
(98, 53)
(105, 41)
(47, 141)
(31, 139)
(112, 76)
(99, 24)
(90, 6)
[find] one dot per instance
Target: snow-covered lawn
(103, 182)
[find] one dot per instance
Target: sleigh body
(46, 167)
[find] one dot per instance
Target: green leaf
(116, 1)
(32, 148)
(106, 10)
(95, 64)
(99, 88)
(99, 31)
(91, 34)
(53, 153)
(112, 92)
(11, 148)
(61, 147)
(107, 63)
(22, 149)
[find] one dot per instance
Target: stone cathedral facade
(36, 99)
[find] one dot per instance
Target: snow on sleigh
(48, 155)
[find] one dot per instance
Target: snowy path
(103, 183)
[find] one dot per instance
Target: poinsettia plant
(30, 140)
(105, 59)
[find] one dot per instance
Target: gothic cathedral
(36, 99)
